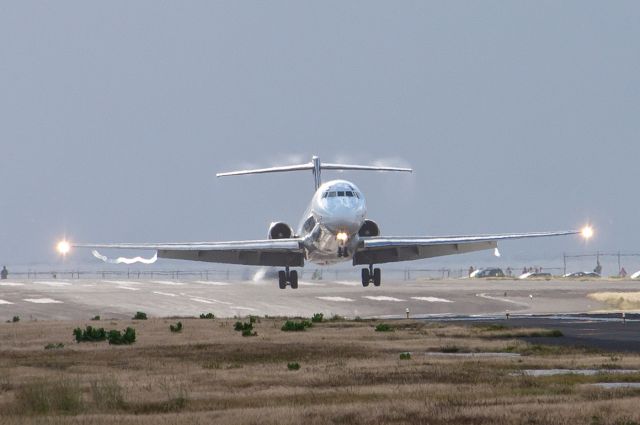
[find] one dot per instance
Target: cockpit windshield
(341, 193)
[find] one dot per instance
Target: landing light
(342, 237)
(63, 247)
(587, 232)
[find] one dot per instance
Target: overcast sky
(516, 116)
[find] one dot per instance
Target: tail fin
(316, 166)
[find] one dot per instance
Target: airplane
(335, 228)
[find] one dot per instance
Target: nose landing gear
(286, 277)
(371, 275)
(342, 252)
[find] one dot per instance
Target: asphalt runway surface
(57, 299)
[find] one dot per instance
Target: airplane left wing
(270, 252)
(381, 249)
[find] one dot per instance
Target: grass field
(348, 374)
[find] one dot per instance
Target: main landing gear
(371, 275)
(286, 277)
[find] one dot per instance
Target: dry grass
(349, 374)
(618, 300)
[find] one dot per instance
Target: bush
(207, 316)
(291, 326)
(54, 346)
(140, 316)
(116, 337)
(383, 327)
(15, 319)
(176, 328)
(293, 366)
(240, 326)
(90, 334)
(253, 319)
(95, 318)
(405, 356)
(248, 332)
(317, 318)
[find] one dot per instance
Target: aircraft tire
(377, 277)
(293, 279)
(366, 277)
(282, 279)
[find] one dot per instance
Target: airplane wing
(270, 252)
(385, 249)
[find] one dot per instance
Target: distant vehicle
(489, 272)
(581, 274)
(532, 275)
(636, 275)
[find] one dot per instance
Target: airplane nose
(344, 221)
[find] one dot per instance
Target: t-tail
(316, 166)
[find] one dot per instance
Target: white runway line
(42, 301)
(383, 298)
(432, 299)
(242, 308)
(128, 288)
(346, 282)
(48, 283)
(5, 302)
(122, 282)
(311, 284)
(11, 284)
(167, 282)
(167, 294)
(209, 301)
(489, 297)
(210, 282)
(336, 299)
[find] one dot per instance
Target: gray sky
(516, 116)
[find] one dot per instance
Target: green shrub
(140, 316)
(253, 319)
(293, 366)
(176, 328)
(317, 318)
(95, 318)
(15, 319)
(291, 326)
(383, 327)
(207, 316)
(240, 326)
(116, 337)
(248, 332)
(90, 334)
(405, 356)
(54, 346)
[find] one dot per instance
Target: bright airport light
(587, 232)
(342, 237)
(63, 247)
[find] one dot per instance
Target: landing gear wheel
(377, 277)
(282, 279)
(366, 277)
(293, 279)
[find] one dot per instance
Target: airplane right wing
(270, 252)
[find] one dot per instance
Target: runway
(55, 299)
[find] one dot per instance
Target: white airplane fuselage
(331, 223)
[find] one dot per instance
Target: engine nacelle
(280, 230)
(369, 228)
